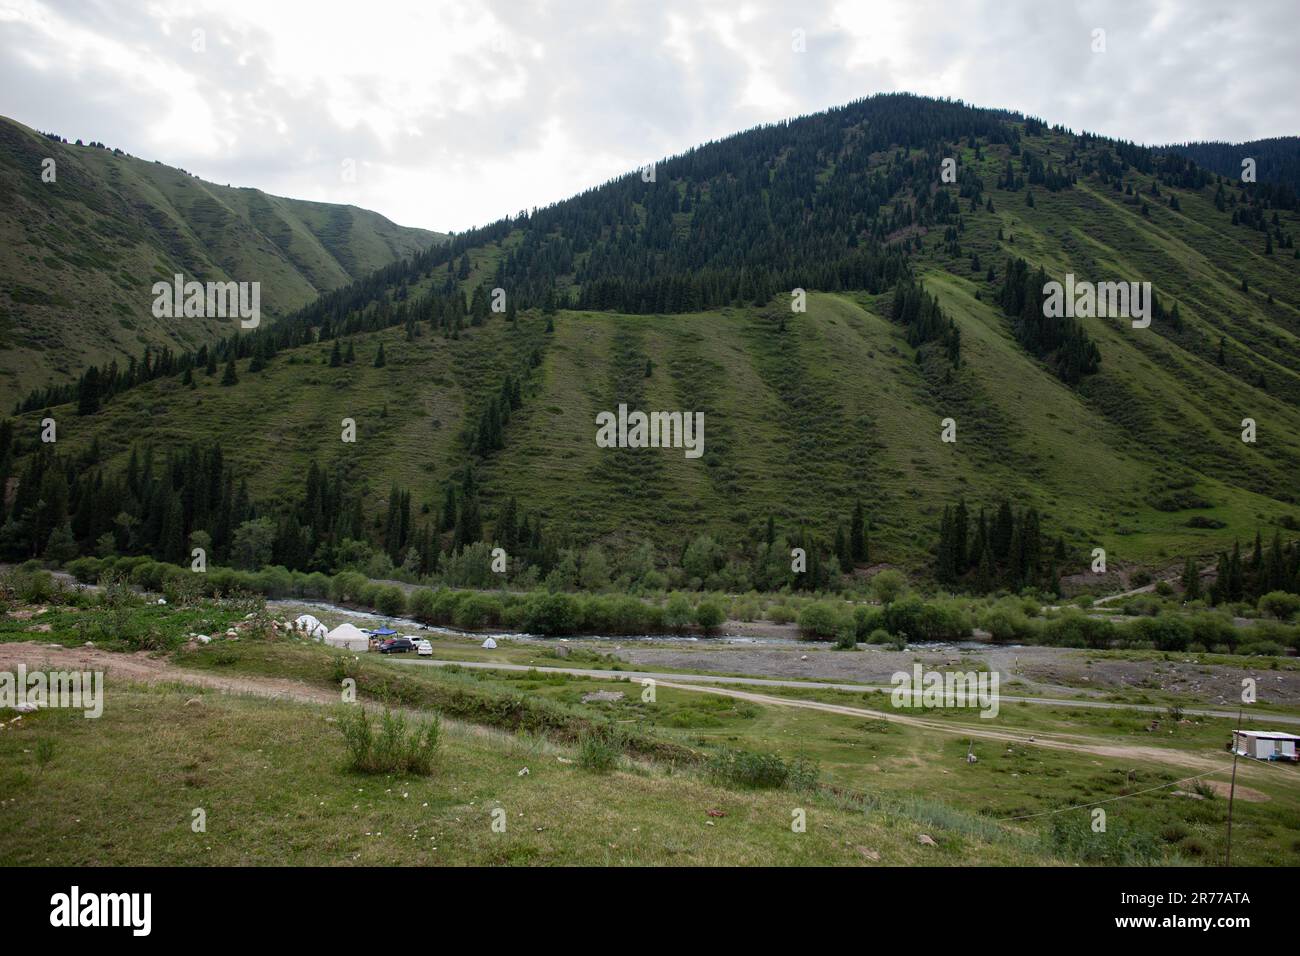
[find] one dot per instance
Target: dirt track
(143, 668)
(1075, 742)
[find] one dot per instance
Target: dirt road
(142, 668)
(715, 679)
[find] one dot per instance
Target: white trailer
(1265, 744)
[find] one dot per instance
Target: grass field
(185, 727)
(271, 779)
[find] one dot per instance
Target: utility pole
(1232, 791)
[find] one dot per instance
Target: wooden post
(1232, 791)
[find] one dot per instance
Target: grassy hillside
(78, 255)
(804, 413)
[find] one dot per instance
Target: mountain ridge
(805, 413)
(81, 252)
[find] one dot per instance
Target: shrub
(879, 636)
(30, 586)
(599, 749)
(867, 619)
(274, 581)
(677, 612)
(1073, 629)
(761, 771)
(395, 748)
(1282, 634)
(148, 575)
(1261, 648)
(545, 613)
(1006, 625)
(369, 594)
(389, 600)
(445, 603)
(314, 585)
(85, 570)
(346, 587)
(913, 619)
(1166, 633)
(781, 614)
(1071, 836)
(115, 591)
(822, 621)
(182, 588)
(1209, 629)
(476, 610)
(709, 614)
(889, 586)
(745, 609)
(1278, 604)
(421, 605)
(943, 621)
(626, 615)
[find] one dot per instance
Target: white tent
(348, 637)
(310, 626)
(490, 644)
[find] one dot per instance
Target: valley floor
(247, 731)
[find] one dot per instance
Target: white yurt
(349, 638)
(310, 626)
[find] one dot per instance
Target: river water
(331, 615)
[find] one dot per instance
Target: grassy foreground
(270, 776)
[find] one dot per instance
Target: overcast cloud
(455, 114)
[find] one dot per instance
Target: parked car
(424, 648)
(396, 645)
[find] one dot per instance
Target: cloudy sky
(453, 114)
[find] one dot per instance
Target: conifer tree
(1191, 580)
(857, 534)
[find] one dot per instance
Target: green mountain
(673, 291)
(79, 254)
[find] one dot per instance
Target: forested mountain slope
(673, 291)
(79, 254)
(1277, 160)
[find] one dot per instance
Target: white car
(423, 648)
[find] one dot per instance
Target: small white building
(1265, 744)
(348, 638)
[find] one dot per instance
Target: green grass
(888, 762)
(634, 775)
(270, 777)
